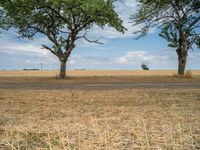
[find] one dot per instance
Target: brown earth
(110, 112)
(99, 83)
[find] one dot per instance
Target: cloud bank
(18, 53)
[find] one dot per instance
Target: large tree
(179, 21)
(63, 22)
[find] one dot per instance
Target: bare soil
(99, 83)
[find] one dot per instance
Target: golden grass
(114, 120)
(96, 73)
(98, 77)
(104, 120)
(188, 74)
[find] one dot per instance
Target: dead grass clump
(187, 75)
(176, 75)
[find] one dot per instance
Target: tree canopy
(179, 21)
(171, 16)
(62, 21)
(4, 21)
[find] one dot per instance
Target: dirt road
(99, 86)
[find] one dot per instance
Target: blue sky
(119, 52)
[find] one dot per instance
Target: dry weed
(187, 75)
(112, 120)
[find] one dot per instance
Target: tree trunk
(181, 64)
(62, 70)
(182, 52)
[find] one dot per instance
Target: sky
(119, 51)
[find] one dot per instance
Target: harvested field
(35, 118)
(94, 73)
(125, 119)
(87, 80)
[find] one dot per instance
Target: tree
(179, 21)
(144, 67)
(63, 22)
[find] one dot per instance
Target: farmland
(92, 73)
(111, 118)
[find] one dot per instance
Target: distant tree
(144, 67)
(179, 21)
(63, 22)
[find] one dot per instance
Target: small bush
(144, 67)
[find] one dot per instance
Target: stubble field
(92, 73)
(114, 119)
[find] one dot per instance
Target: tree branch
(46, 47)
(90, 41)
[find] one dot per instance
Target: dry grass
(123, 120)
(96, 77)
(103, 120)
(188, 75)
(93, 73)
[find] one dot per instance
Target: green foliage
(4, 21)
(61, 21)
(144, 67)
(1, 18)
(169, 32)
(198, 42)
(178, 19)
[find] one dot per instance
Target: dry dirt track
(119, 84)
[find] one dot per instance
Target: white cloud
(136, 58)
(31, 50)
(22, 48)
(165, 59)
(28, 61)
(88, 62)
(9, 43)
(71, 62)
(24, 52)
(132, 57)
